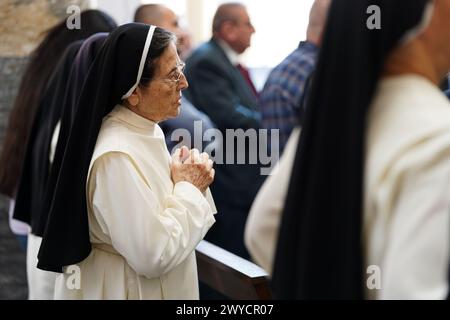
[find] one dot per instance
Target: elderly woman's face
(161, 98)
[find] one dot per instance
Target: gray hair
(160, 42)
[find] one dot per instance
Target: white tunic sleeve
(261, 230)
(153, 238)
(417, 252)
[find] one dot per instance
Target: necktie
(244, 72)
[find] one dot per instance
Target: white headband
(148, 41)
(417, 30)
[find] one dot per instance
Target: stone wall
(22, 22)
(22, 25)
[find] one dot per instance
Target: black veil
(36, 166)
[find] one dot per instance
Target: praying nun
(125, 212)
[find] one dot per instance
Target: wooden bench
(231, 275)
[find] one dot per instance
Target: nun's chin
(177, 112)
(174, 114)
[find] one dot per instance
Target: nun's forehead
(168, 60)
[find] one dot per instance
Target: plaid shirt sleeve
(280, 98)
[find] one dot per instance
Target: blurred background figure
(33, 85)
(184, 43)
(281, 103)
(160, 15)
(280, 100)
(217, 87)
(42, 63)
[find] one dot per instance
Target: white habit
(406, 198)
(407, 190)
(143, 228)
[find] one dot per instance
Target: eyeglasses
(174, 78)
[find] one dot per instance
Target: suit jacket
(217, 88)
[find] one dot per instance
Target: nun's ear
(133, 100)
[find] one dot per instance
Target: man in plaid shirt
(284, 89)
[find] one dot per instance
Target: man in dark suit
(221, 87)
